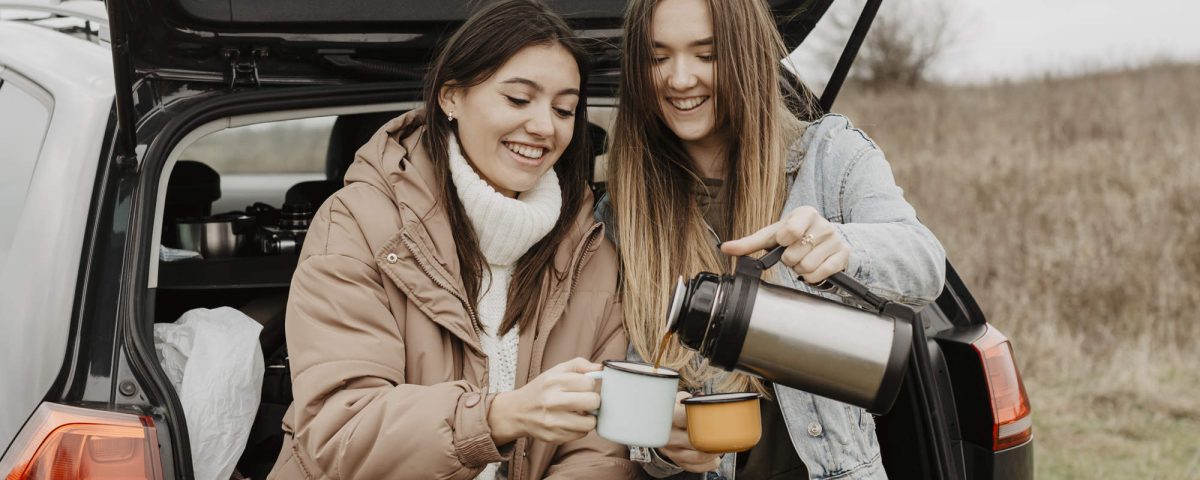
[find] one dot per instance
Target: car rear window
(290, 146)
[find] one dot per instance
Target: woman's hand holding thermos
(815, 249)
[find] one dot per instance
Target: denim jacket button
(392, 258)
(815, 429)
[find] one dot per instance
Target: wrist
(661, 457)
(655, 463)
(502, 419)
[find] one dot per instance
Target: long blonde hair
(660, 230)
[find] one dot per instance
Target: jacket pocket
(853, 437)
(863, 441)
(832, 438)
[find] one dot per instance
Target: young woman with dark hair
(450, 297)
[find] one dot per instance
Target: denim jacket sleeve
(603, 213)
(839, 170)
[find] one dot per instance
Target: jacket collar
(395, 162)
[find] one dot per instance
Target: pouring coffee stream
(662, 347)
(795, 338)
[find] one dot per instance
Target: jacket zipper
(583, 256)
(517, 470)
(423, 264)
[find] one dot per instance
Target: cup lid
(720, 398)
(641, 369)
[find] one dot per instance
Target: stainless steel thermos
(853, 354)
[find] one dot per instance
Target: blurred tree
(906, 40)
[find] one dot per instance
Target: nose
(541, 122)
(681, 76)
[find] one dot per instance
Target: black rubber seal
(621, 365)
(697, 308)
(730, 332)
(720, 398)
(893, 375)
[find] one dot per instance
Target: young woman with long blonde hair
(710, 161)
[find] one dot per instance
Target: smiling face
(515, 125)
(682, 37)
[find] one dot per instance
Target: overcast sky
(1023, 38)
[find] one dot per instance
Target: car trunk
(169, 51)
(192, 64)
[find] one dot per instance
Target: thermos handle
(840, 280)
(848, 284)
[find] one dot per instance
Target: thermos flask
(853, 354)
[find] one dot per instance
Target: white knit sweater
(506, 229)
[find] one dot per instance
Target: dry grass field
(1071, 207)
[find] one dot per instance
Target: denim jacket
(839, 170)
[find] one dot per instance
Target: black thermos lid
(696, 310)
(728, 334)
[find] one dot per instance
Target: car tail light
(61, 442)
(1012, 419)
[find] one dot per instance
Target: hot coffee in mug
(637, 402)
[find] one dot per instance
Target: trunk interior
(234, 174)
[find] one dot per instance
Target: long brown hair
(652, 180)
(483, 44)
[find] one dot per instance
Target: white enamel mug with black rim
(637, 402)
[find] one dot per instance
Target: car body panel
(38, 277)
(1016, 462)
(88, 10)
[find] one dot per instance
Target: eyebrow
(705, 42)
(538, 87)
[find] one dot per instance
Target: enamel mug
(637, 402)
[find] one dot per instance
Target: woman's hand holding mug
(553, 407)
(680, 450)
(814, 248)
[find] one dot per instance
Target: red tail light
(1012, 420)
(66, 443)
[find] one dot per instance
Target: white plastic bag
(213, 359)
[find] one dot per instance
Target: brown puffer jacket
(387, 370)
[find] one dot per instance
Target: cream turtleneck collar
(506, 227)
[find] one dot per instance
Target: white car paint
(38, 276)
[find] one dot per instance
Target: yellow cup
(723, 422)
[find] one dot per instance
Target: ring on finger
(806, 240)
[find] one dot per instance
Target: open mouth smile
(688, 104)
(530, 152)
